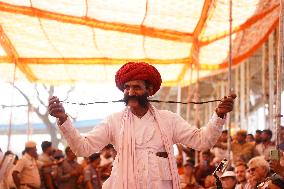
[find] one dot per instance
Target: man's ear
(150, 90)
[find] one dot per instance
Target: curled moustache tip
(233, 95)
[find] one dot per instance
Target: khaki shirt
(29, 174)
(245, 150)
(65, 180)
(45, 159)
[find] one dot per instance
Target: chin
(133, 104)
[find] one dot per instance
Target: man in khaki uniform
(241, 148)
(26, 174)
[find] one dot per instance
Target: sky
(82, 93)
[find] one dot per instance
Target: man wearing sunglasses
(258, 168)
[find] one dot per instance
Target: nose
(131, 92)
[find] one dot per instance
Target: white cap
(30, 144)
(228, 174)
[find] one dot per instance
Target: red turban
(138, 71)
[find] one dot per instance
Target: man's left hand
(226, 105)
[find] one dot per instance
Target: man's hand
(226, 105)
(276, 167)
(56, 109)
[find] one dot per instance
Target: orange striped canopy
(64, 41)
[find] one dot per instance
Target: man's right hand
(56, 109)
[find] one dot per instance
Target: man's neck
(139, 112)
(266, 143)
(30, 155)
(45, 153)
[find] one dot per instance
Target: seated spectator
(276, 166)
(240, 171)
(210, 182)
(258, 169)
(273, 182)
(228, 180)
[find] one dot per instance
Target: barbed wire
(115, 101)
(150, 100)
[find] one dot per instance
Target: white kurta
(150, 168)
(153, 171)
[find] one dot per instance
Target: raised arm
(80, 145)
(206, 137)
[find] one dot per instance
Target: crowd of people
(54, 169)
(251, 165)
(143, 137)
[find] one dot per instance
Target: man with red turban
(142, 135)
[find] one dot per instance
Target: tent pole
(189, 95)
(196, 106)
(264, 82)
(230, 76)
(279, 73)
(237, 103)
(271, 81)
(247, 104)
(11, 108)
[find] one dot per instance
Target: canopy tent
(63, 41)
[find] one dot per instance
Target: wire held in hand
(157, 101)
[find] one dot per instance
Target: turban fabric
(138, 71)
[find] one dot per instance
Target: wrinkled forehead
(134, 83)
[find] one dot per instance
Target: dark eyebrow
(135, 86)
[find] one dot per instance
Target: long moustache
(142, 99)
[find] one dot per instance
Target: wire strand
(157, 101)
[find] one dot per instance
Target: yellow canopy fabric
(63, 41)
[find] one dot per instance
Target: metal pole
(230, 75)
(188, 107)
(197, 116)
(11, 109)
(178, 99)
(264, 82)
(271, 81)
(278, 74)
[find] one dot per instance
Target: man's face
(71, 155)
(49, 150)
(33, 152)
(265, 137)
(240, 173)
(257, 173)
(224, 137)
(136, 93)
(228, 182)
(249, 138)
(241, 138)
(257, 137)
